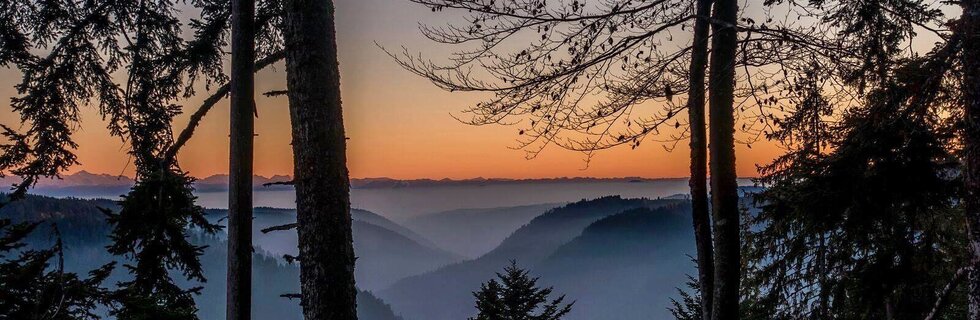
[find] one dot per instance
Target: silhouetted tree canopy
(133, 62)
(30, 288)
(862, 217)
(514, 295)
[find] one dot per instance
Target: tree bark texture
(970, 29)
(699, 157)
(320, 162)
(724, 187)
(239, 294)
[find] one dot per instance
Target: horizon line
(429, 178)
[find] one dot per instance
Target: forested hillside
(84, 231)
(530, 246)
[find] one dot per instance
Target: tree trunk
(970, 24)
(724, 187)
(320, 162)
(824, 293)
(699, 155)
(239, 304)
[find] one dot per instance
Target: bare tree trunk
(970, 24)
(320, 162)
(239, 304)
(824, 302)
(724, 187)
(699, 157)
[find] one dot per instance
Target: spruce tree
(71, 55)
(150, 229)
(32, 289)
(690, 305)
(514, 295)
(860, 220)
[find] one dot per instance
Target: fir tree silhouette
(516, 296)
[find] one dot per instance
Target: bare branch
(942, 298)
(195, 120)
(279, 183)
(275, 93)
(283, 227)
(291, 296)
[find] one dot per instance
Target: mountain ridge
(528, 245)
(219, 182)
(473, 232)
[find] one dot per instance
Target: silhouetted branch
(209, 103)
(283, 227)
(278, 183)
(942, 298)
(291, 296)
(290, 258)
(596, 75)
(275, 93)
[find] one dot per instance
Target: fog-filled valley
(617, 257)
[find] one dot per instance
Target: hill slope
(378, 220)
(625, 266)
(474, 232)
(447, 290)
(84, 231)
(384, 255)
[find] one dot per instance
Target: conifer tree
(876, 32)
(862, 213)
(151, 229)
(32, 289)
(514, 295)
(969, 30)
(70, 53)
(689, 307)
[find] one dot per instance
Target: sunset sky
(399, 124)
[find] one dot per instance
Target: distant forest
(83, 229)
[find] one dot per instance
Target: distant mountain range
(618, 258)
(85, 234)
(562, 244)
(474, 232)
(386, 251)
(83, 183)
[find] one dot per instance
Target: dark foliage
(86, 233)
(860, 220)
(70, 54)
(516, 297)
(30, 288)
(689, 306)
(150, 229)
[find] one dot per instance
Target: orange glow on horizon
(399, 125)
